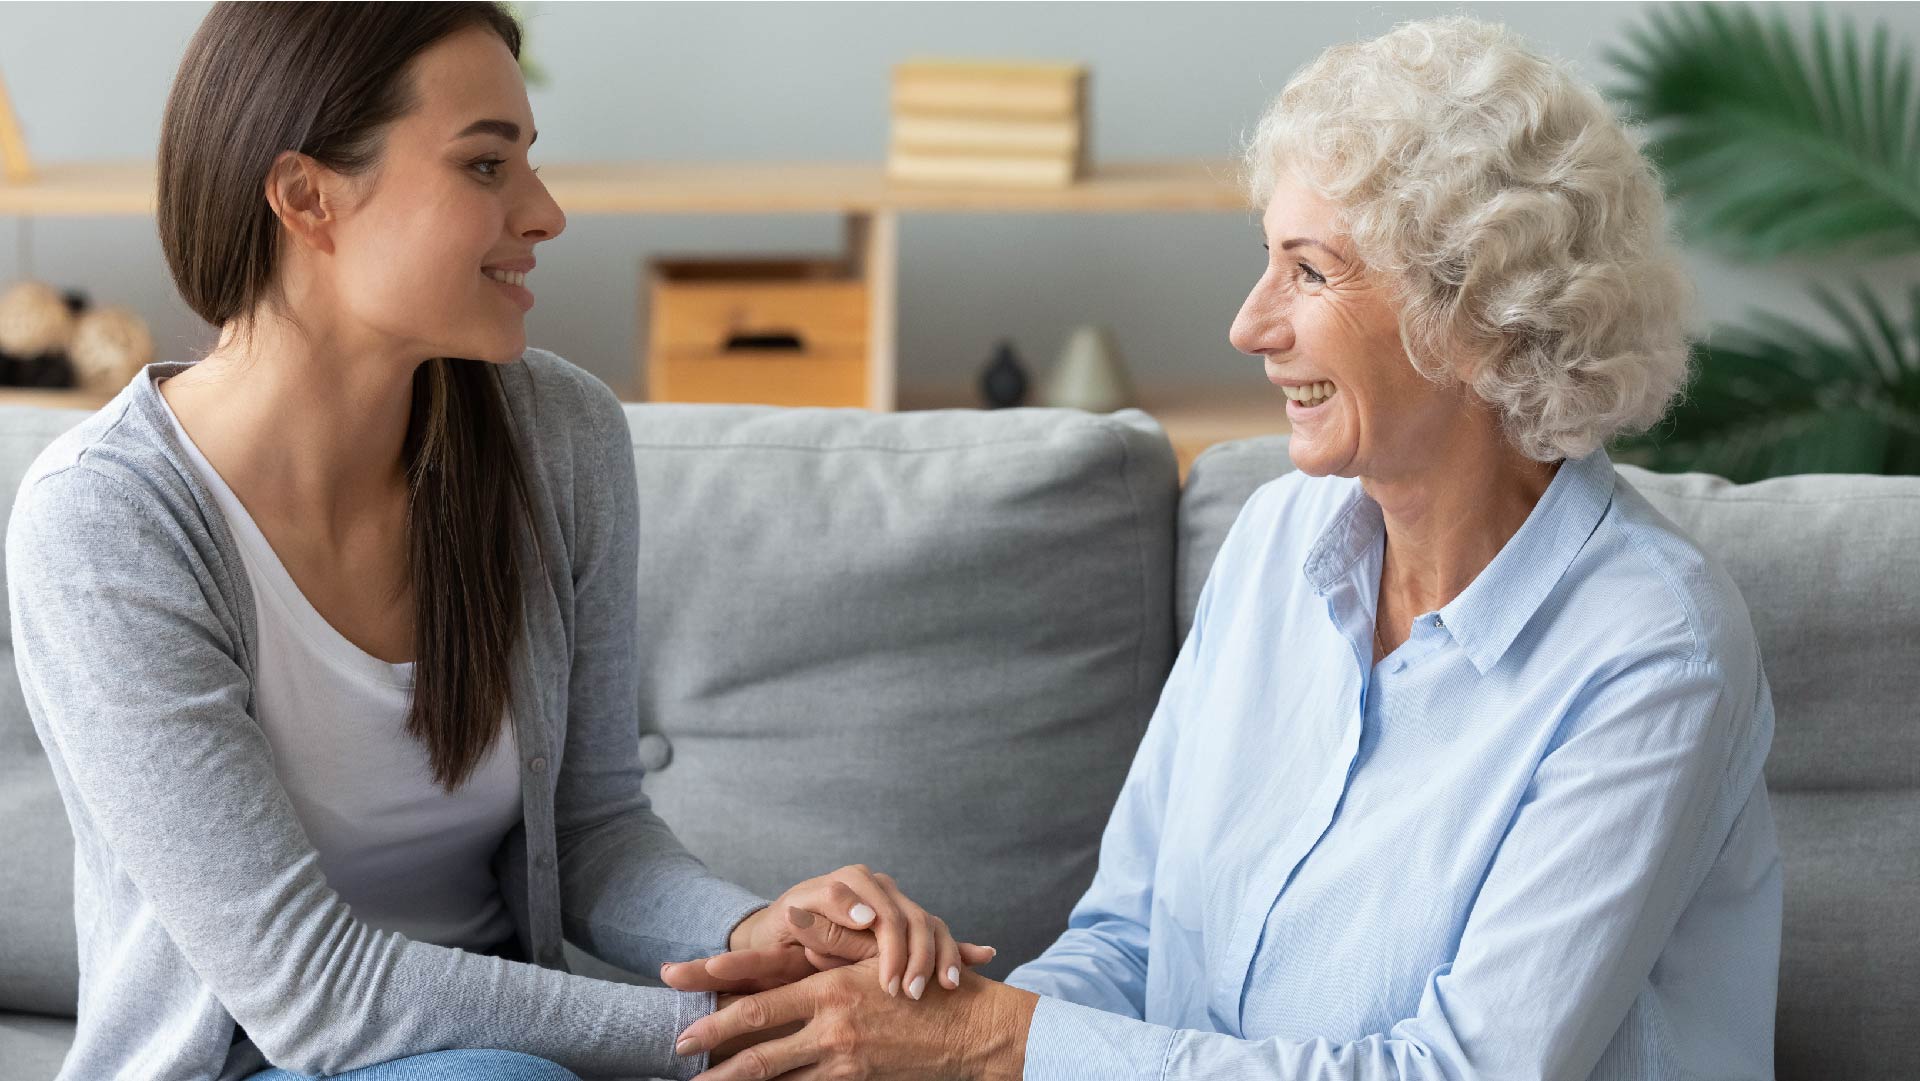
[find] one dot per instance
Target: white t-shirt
(403, 853)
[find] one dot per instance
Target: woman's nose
(543, 220)
(1262, 326)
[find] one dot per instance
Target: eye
(1314, 275)
(495, 163)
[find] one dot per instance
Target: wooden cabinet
(765, 331)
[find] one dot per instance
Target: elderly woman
(1458, 774)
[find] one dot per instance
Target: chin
(1315, 461)
(501, 350)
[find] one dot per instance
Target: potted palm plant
(1775, 145)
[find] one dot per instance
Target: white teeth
(1312, 394)
(511, 277)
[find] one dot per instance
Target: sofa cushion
(1830, 570)
(39, 960)
(928, 642)
(32, 1047)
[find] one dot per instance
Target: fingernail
(664, 966)
(799, 917)
(917, 988)
(992, 953)
(953, 975)
(893, 987)
(686, 1046)
(860, 914)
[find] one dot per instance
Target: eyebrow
(506, 129)
(1289, 245)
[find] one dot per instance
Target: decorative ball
(34, 319)
(110, 345)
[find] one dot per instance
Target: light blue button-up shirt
(1532, 842)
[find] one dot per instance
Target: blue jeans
(465, 1064)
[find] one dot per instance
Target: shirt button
(537, 764)
(1436, 621)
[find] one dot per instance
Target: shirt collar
(1490, 613)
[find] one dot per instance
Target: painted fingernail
(893, 987)
(799, 917)
(953, 975)
(917, 988)
(860, 914)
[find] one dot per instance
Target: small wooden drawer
(765, 331)
(825, 377)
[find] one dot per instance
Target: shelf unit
(859, 193)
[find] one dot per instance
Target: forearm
(632, 895)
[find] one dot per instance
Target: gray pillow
(928, 642)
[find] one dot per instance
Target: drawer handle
(776, 340)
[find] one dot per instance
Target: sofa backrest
(1830, 569)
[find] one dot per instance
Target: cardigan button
(656, 753)
(537, 764)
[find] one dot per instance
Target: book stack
(998, 124)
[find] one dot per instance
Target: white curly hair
(1524, 233)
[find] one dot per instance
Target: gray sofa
(930, 642)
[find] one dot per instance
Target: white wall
(786, 81)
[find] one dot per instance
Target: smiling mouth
(1310, 395)
(510, 277)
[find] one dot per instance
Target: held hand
(840, 1024)
(819, 945)
(849, 915)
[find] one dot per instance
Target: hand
(849, 1028)
(866, 916)
(818, 945)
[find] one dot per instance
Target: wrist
(742, 935)
(992, 1040)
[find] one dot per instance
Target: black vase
(1003, 382)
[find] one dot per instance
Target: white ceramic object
(1089, 374)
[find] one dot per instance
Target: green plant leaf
(1779, 398)
(1774, 145)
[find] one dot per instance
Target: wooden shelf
(100, 188)
(858, 192)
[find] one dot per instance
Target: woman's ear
(300, 191)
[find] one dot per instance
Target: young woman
(329, 635)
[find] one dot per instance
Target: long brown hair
(327, 80)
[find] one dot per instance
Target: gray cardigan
(200, 903)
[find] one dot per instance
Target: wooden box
(788, 332)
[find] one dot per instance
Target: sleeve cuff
(1068, 1042)
(733, 911)
(691, 1006)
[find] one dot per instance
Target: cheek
(407, 265)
